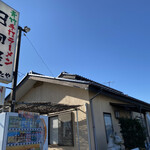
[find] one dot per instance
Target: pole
(78, 129)
(16, 63)
(87, 119)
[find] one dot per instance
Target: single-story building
(82, 113)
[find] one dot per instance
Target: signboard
(2, 95)
(8, 36)
(27, 131)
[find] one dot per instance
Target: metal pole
(14, 81)
(78, 129)
(87, 118)
(147, 127)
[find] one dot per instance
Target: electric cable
(38, 55)
(20, 74)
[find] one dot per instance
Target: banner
(8, 36)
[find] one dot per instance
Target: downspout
(140, 109)
(93, 120)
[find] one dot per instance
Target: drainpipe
(140, 111)
(93, 120)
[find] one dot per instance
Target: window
(60, 130)
(108, 125)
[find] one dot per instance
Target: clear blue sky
(103, 40)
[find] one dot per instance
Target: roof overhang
(32, 80)
(114, 94)
(130, 107)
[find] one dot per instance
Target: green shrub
(133, 133)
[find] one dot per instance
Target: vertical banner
(8, 36)
(2, 95)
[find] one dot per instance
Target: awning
(130, 107)
(43, 107)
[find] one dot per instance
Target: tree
(133, 133)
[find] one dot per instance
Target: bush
(133, 133)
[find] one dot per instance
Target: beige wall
(66, 95)
(47, 92)
(101, 104)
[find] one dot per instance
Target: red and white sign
(2, 95)
(8, 36)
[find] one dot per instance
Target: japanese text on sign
(8, 37)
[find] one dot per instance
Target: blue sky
(103, 40)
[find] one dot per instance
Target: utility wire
(20, 74)
(39, 55)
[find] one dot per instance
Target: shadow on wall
(83, 135)
(58, 93)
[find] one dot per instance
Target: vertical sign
(2, 95)
(8, 36)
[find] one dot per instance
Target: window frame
(57, 145)
(106, 113)
(49, 126)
